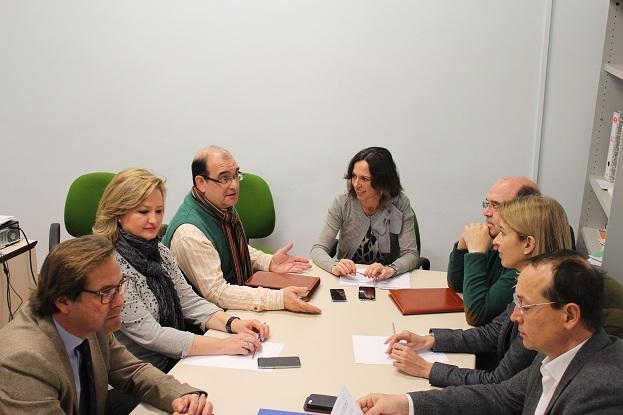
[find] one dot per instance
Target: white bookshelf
(599, 208)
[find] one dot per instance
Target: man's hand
(413, 341)
(344, 267)
(477, 238)
(192, 404)
(408, 361)
(283, 262)
(381, 404)
(292, 302)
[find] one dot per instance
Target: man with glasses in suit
(59, 354)
(474, 268)
(558, 301)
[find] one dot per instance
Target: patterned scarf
(232, 228)
(144, 256)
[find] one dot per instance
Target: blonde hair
(541, 217)
(127, 190)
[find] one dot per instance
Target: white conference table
(324, 344)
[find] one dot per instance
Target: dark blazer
(590, 385)
(500, 337)
(37, 377)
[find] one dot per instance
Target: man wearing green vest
(208, 242)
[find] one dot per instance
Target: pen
(259, 338)
(394, 328)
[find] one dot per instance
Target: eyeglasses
(224, 180)
(488, 204)
(107, 294)
(523, 307)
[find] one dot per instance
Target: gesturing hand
(283, 262)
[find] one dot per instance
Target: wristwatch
(392, 266)
(228, 324)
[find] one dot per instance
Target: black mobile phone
(319, 403)
(278, 362)
(367, 293)
(338, 294)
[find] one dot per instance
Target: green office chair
(83, 197)
(256, 209)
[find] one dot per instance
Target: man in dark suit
(558, 309)
(59, 354)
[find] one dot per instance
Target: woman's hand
(241, 343)
(412, 341)
(379, 271)
(408, 361)
(344, 267)
(253, 327)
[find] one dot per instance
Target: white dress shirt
(552, 371)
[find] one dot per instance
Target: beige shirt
(200, 262)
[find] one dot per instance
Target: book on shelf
(613, 147)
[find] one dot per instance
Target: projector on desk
(9, 231)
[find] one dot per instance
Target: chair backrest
(255, 207)
(83, 197)
(416, 227)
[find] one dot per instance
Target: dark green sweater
(486, 285)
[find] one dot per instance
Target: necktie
(88, 405)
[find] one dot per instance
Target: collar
(557, 367)
(69, 340)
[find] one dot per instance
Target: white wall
(576, 46)
(293, 89)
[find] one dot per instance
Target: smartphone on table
(319, 403)
(338, 294)
(281, 362)
(367, 293)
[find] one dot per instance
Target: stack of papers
(248, 362)
(398, 281)
(371, 350)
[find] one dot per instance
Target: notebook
(426, 300)
(278, 280)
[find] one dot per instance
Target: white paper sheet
(345, 404)
(269, 349)
(371, 350)
(398, 281)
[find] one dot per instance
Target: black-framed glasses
(225, 180)
(523, 307)
(487, 204)
(107, 294)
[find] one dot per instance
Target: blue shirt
(71, 342)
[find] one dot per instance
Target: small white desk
(19, 258)
(324, 344)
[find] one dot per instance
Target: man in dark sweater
(474, 267)
(558, 307)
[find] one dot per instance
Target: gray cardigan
(141, 332)
(347, 217)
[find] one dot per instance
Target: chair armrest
(423, 263)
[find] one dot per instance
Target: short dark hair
(574, 280)
(527, 190)
(199, 167)
(64, 271)
(383, 170)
